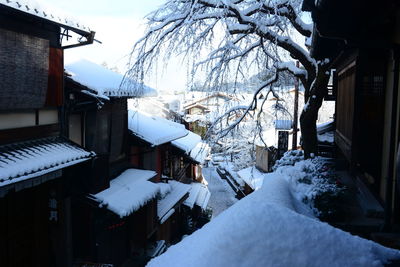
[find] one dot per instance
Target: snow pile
(30, 159)
(128, 192)
(154, 130)
(104, 82)
(253, 177)
(264, 230)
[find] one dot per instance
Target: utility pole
(296, 110)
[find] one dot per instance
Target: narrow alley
(222, 196)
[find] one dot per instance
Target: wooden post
(296, 110)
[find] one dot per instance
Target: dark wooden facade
(36, 215)
(365, 53)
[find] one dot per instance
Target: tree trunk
(309, 115)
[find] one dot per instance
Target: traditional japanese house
(40, 169)
(200, 112)
(199, 106)
(112, 225)
(175, 154)
(150, 141)
(363, 46)
(126, 223)
(171, 218)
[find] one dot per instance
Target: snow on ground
(252, 176)
(222, 196)
(263, 229)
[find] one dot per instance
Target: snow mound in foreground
(263, 229)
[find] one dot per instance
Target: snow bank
(104, 82)
(128, 192)
(263, 230)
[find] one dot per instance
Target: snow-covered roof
(196, 105)
(327, 138)
(191, 144)
(43, 11)
(253, 177)
(200, 152)
(178, 191)
(199, 195)
(25, 160)
(203, 197)
(104, 82)
(328, 126)
(262, 229)
(195, 117)
(154, 130)
(128, 192)
(207, 97)
(188, 142)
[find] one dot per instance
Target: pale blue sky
(118, 25)
(120, 8)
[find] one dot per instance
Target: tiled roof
(193, 147)
(105, 83)
(199, 195)
(40, 10)
(29, 159)
(154, 130)
(178, 191)
(127, 193)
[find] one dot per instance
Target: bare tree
(227, 38)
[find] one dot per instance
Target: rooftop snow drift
(128, 192)
(25, 160)
(103, 82)
(154, 130)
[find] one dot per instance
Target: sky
(118, 25)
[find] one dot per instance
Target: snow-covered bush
(313, 183)
(289, 159)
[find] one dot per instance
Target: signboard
(283, 141)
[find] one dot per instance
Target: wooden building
(40, 168)
(117, 220)
(363, 46)
(176, 154)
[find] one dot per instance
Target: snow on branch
(291, 67)
(253, 33)
(245, 109)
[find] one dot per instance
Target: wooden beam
(28, 133)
